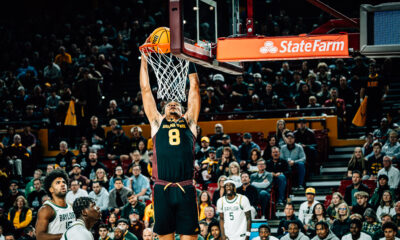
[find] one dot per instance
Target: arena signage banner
(282, 48)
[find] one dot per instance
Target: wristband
(247, 234)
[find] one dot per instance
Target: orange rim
(149, 47)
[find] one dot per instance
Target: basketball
(161, 36)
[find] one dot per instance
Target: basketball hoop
(171, 72)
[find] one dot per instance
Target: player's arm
(44, 215)
(194, 99)
(149, 104)
(221, 226)
(248, 219)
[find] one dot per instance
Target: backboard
(196, 25)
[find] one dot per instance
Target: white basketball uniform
(77, 231)
(235, 222)
(63, 217)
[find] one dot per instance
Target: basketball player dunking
(55, 215)
(174, 135)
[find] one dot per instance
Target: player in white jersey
(87, 214)
(55, 215)
(234, 211)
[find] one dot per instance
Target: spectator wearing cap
(294, 232)
(118, 148)
(356, 186)
(94, 134)
(239, 89)
(122, 232)
(75, 192)
(279, 169)
(136, 225)
(246, 99)
(362, 203)
(203, 152)
(392, 172)
(375, 160)
(16, 154)
(226, 142)
(210, 103)
(262, 180)
(216, 139)
(12, 194)
(392, 147)
(306, 138)
(100, 196)
(245, 150)
(355, 231)
(94, 164)
(76, 174)
(323, 232)
(378, 192)
(65, 158)
(293, 153)
(307, 208)
(264, 233)
(209, 168)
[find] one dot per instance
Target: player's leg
(189, 237)
(170, 236)
(187, 216)
(164, 214)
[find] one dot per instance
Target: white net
(171, 73)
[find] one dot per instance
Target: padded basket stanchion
(171, 72)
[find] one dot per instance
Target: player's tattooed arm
(248, 218)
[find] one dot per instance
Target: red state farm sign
(280, 48)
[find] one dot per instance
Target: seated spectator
(205, 201)
(249, 191)
(28, 139)
(119, 173)
(113, 111)
(203, 230)
(136, 225)
(223, 162)
(268, 95)
(345, 92)
(144, 154)
(137, 161)
(112, 224)
(356, 186)
(367, 147)
(392, 172)
(390, 231)
(245, 150)
(118, 147)
(302, 98)
(307, 207)
(382, 134)
(293, 153)
(324, 94)
(121, 232)
(20, 214)
(312, 103)
(333, 208)
(62, 58)
(100, 196)
(280, 87)
(16, 154)
(83, 157)
(341, 225)
(239, 88)
(397, 216)
(340, 108)
(385, 218)
(262, 180)
(118, 197)
(214, 231)
(226, 142)
(29, 186)
(355, 231)
(216, 139)
(254, 157)
(271, 142)
(110, 134)
(209, 215)
(323, 232)
(94, 164)
(318, 215)
(294, 230)
(35, 197)
(375, 162)
(264, 232)
(362, 203)
(13, 194)
(101, 177)
(209, 168)
(203, 152)
(220, 190)
(65, 158)
(295, 87)
(133, 204)
(211, 103)
(279, 169)
(94, 134)
(76, 175)
(75, 192)
(357, 162)
(386, 205)
(281, 132)
(234, 173)
(140, 184)
(378, 193)
(306, 138)
(288, 218)
(149, 215)
(392, 147)
(137, 137)
(371, 223)
(103, 232)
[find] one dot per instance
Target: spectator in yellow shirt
(20, 215)
(62, 58)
